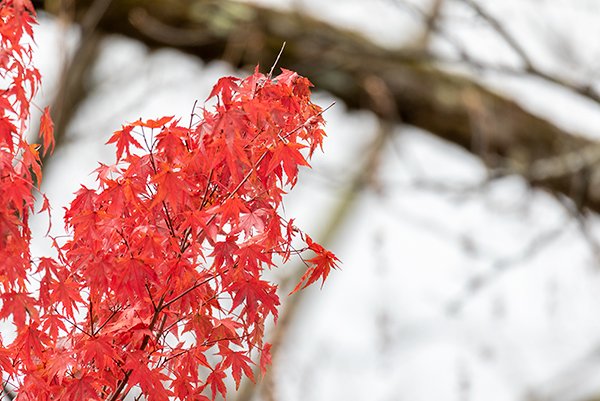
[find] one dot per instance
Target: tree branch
(336, 60)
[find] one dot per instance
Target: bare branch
(431, 22)
(276, 61)
(479, 283)
(529, 66)
(503, 32)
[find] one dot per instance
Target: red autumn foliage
(160, 285)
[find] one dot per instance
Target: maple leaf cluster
(19, 160)
(159, 286)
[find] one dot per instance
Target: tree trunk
(400, 85)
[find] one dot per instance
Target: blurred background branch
(425, 94)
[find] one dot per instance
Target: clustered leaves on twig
(160, 285)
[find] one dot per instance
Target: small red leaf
(153, 123)
(265, 358)
(225, 87)
(216, 383)
(238, 362)
(47, 131)
(46, 208)
(124, 139)
(320, 265)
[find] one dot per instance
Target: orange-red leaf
(124, 140)
(47, 131)
(320, 266)
(239, 362)
(265, 358)
(217, 384)
(159, 123)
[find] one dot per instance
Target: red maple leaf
(289, 157)
(124, 140)
(319, 266)
(216, 382)
(82, 388)
(265, 358)
(239, 362)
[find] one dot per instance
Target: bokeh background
(459, 185)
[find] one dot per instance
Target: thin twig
(431, 23)
(276, 61)
(499, 28)
(184, 293)
(584, 90)
(476, 285)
